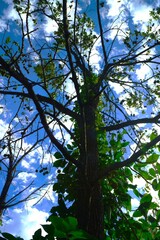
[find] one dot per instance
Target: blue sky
(25, 218)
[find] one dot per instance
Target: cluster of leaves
(84, 37)
(64, 187)
(143, 224)
(57, 228)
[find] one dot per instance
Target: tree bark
(89, 197)
(90, 209)
(8, 182)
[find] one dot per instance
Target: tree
(101, 137)
(12, 154)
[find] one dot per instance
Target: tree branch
(155, 119)
(129, 61)
(68, 49)
(117, 165)
(41, 98)
(11, 203)
(26, 83)
(101, 32)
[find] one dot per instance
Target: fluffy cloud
(24, 222)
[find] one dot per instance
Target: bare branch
(44, 99)
(101, 32)
(155, 119)
(26, 83)
(68, 48)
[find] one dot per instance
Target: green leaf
(157, 235)
(79, 234)
(158, 167)
(137, 213)
(144, 207)
(8, 236)
(38, 235)
(124, 144)
(155, 185)
(8, 40)
(57, 222)
(60, 234)
(153, 158)
(153, 135)
(48, 228)
(152, 219)
(154, 205)
(146, 235)
(55, 187)
(71, 222)
(146, 198)
(59, 163)
(152, 172)
(146, 175)
(128, 174)
(127, 205)
(58, 155)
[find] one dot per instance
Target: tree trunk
(90, 209)
(89, 197)
(8, 182)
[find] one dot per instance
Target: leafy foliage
(59, 228)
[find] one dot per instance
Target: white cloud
(3, 25)
(137, 11)
(1, 108)
(3, 128)
(87, 2)
(95, 56)
(10, 12)
(24, 223)
(143, 71)
(32, 222)
(25, 164)
(134, 203)
(140, 11)
(114, 7)
(26, 176)
(69, 87)
(117, 88)
(140, 182)
(49, 26)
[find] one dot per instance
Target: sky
(24, 219)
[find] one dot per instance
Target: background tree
(13, 152)
(94, 131)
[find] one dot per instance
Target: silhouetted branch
(155, 119)
(117, 165)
